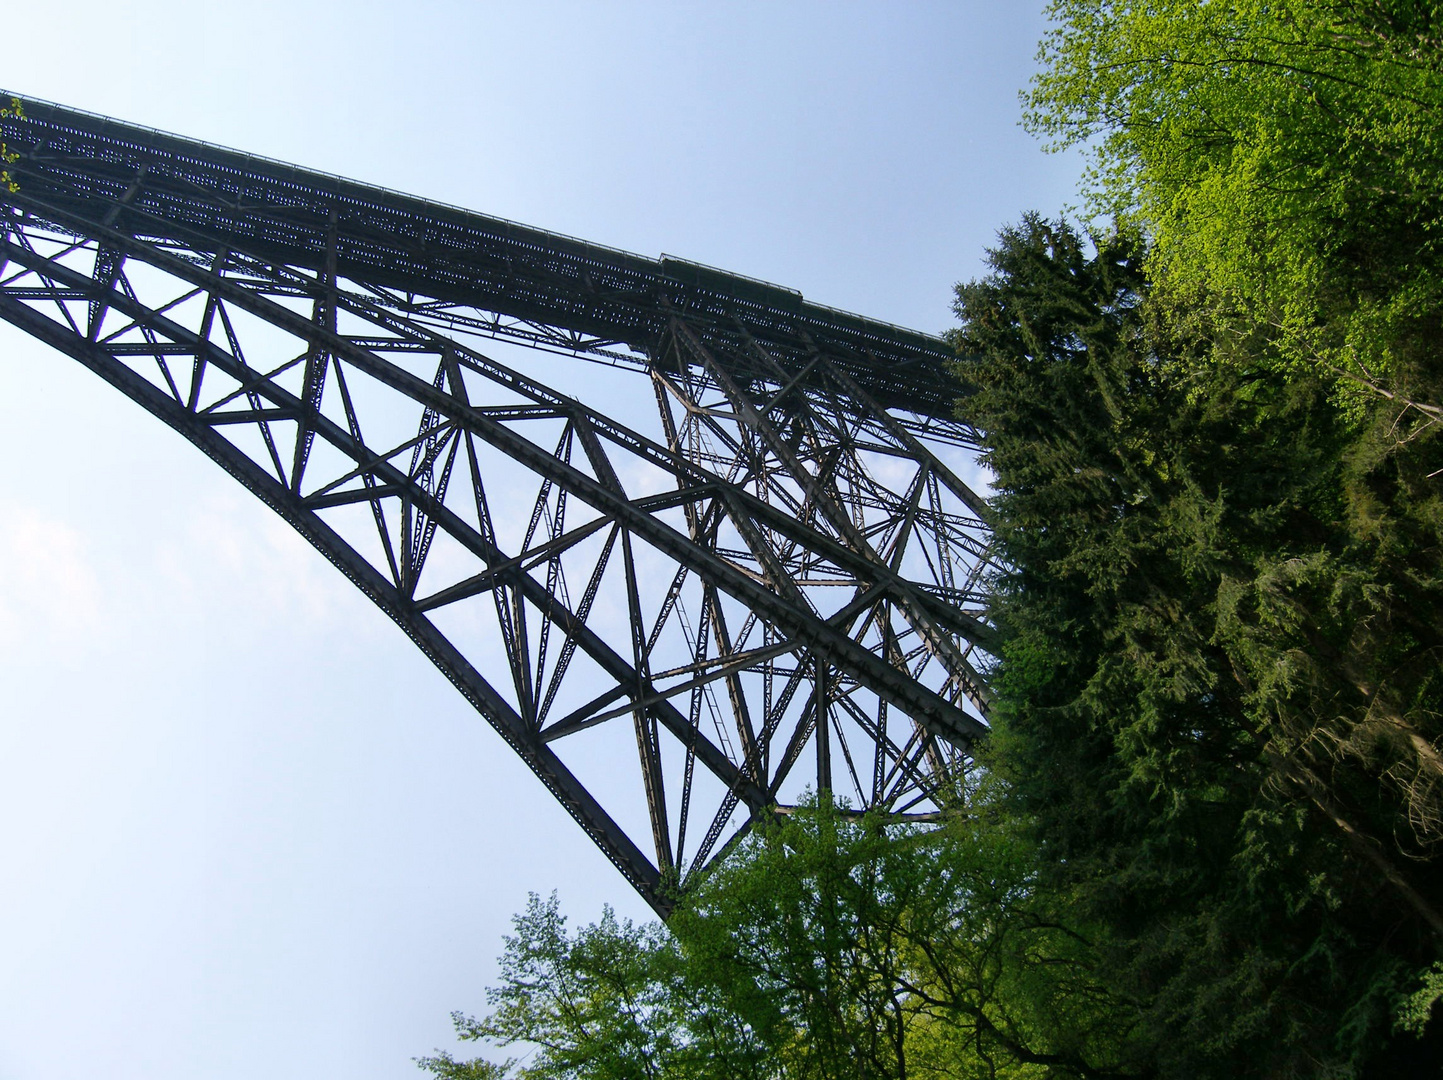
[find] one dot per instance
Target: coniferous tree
(1184, 604)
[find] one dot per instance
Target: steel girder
(780, 572)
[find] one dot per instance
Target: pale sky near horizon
(246, 829)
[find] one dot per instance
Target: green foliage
(1285, 159)
(1217, 698)
(826, 946)
(615, 1001)
(1286, 163)
(864, 950)
(1416, 1009)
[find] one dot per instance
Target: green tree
(826, 946)
(869, 950)
(614, 1001)
(1201, 559)
(1286, 160)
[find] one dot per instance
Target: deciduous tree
(1286, 160)
(826, 946)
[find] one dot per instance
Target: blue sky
(247, 830)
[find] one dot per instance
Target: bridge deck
(76, 160)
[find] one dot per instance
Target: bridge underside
(764, 580)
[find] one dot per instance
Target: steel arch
(786, 567)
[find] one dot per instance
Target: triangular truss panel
(719, 561)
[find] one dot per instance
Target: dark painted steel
(802, 567)
(300, 217)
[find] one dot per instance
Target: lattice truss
(771, 588)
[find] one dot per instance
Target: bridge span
(757, 569)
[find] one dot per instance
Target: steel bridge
(753, 572)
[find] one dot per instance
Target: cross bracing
(765, 580)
